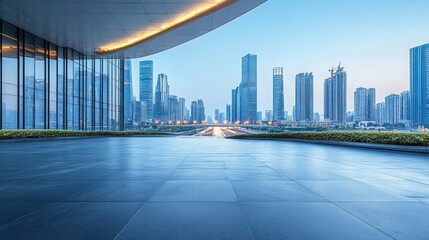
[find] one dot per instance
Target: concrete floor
(209, 188)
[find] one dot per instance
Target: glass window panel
(39, 104)
(29, 81)
(60, 89)
(9, 77)
(76, 88)
(52, 86)
(89, 96)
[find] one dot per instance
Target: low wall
(388, 147)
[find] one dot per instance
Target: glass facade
(44, 86)
(419, 84)
(278, 94)
(248, 89)
(304, 97)
(146, 88)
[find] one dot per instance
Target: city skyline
(371, 62)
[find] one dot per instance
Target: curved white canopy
(122, 28)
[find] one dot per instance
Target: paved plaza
(209, 188)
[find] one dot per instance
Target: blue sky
(371, 38)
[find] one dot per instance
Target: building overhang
(123, 29)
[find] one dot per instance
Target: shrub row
(12, 134)
(396, 138)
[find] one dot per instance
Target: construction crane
(333, 70)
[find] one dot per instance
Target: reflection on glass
(55, 87)
(9, 77)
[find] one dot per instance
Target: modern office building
(173, 109)
(162, 93)
(316, 117)
(259, 114)
(62, 62)
(304, 103)
(194, 110)
(221, 117)
(364, 104)
(235, 105)
(146, 87)
(248, 89)
(419, 84)
(360, 103)
(228, 113)
(278, 94)
(393, 109)
(371, 101)
(335, 96)
(182, 110)
(268, 115)
(216, 118)
(201, 116)
(139, 112)
(405, 106)
(380, 113)
(128, 94)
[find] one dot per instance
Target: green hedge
(12, 134)
(396, 138)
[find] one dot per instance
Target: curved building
(62, 62)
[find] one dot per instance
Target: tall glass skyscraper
(146, 88)
(182, 109)
(335, 93)
(128, 93)
(405, 106)
(194, 106)
(278, 94)
(201, 116)
(173, 109)
(248, 89)
(235, 105)
(228, 113)
(304, 103)
(419, 84)
(162, 94)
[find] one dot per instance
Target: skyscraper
(228, 113)
(278, 94)
(360, 104)
(364, 104)
(304, 97)
(371, 98)
(335, 93)
(161, 99)
(217, 115)
(194, 111)
(128, 94)
(146, 88)
(235, 105)
(259, 114)
(419, 84)
(405, 106)
(173, 109)
(201, 116)
(392, 109)
(268, 115)
(380, 113)
(182, 110)
(248, 89)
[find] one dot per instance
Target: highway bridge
(221, 125)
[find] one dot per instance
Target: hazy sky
(371, 38)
